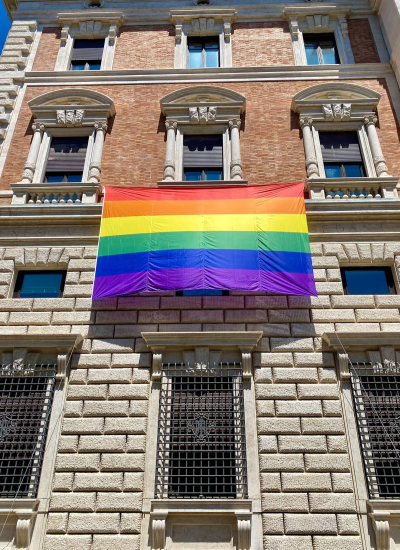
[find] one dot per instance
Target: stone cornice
(360, 340)
(60, 342)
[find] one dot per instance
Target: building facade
(188, 420)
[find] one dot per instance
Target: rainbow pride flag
(251, 238)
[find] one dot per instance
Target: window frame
(319, 51)
(390, 278)
(22, 273)
(203, 40)
(88, 60)
(358, 132)
(48, 153)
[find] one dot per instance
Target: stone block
(276, 542)
(134, 360)
(285, 375)
(327, 463)
(386, 301)
(273, 524)
(223, 302)
(138, 302)
(125, 426)
(319, 274)
(57, 522)
(291, 344)
(134, 331)
(78, 291)
(78, 376)
(336, 443)
(133, 481)
(322, 426)
(314, 302)
(284, 502)
(329, 287)
(90, 252)
(270, 483)
(46, 304)
(93, 523)
(78, 462)
(94, 331)
(102, 443)
(245, 316)
(270, 329)
(298, 524)
(318, 391)
(276, 391)
(298, 408)
(137, 407)
(111, 376)
(68, 444)
(267, 444)
(265, 408)
(377, 251)
(182, 302)
(74, 408)
(325, 262)
(128, 391)
(357, 327)
(324, 502)
(43, 330)
(161, 316)
(136, 444)
(106, 408)
(5, 278)
(63, 481)
(120, 502)
(375, 315)
(98, 482)
(68, 542)
(282, 463)
(82, 265)
(316, 359)
(333, 315)
(305, 482)
(98, 391)
(85, 360)
(327, 375)
(334, 275)
(6, 266)
(332, 408)
(83, 426)
(120, 542)
(266, 302)
(72, 317)
(390, 327)
(342, 483)
(68, 502)
(194, 327)
(311, 329)
(116, 317)
(348, 524)
(278, 425)
(122, 462)
(130, 523)
(262, 374)
(115, 345)
(272, 359)
(96, 305)
(30, 318)
(289, 316)
(302, 444)
(352, 301)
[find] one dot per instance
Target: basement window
(368, 280)
(87, 54)
(40, 284)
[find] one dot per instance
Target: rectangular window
(39, 284)
(202, 292)
(368, 280)
(66, 159)
(376, 395)
(201, 449)
(87, 54)
(26, 398)
(202, 158)
(321, 49)
(203, 53)
(341, 155)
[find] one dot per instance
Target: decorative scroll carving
(158, 533)
(157, 364)
(317, 21)
(61, 366)
(178, 32)
(90, 27)
(23, 533)
(244, 532)
(343, 27)
(64, 35)
(202, 115)
(112, 33)
(203, 24)
(70, 117)
(227, 31)
(344, 366)
(247, 363)
(382, 534)
(336, 111)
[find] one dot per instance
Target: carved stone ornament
(203, 24)
(382, 534)
(336, 111)
(294, 28)
(317, 21)
(343, 27)
(112, 33)
(227, 31)
(64, 35)
(23, 533)
(344, 366)
(70, 117)
(90, 27)
(178, 32)
(202, 115)
(305, 121)
(158, 533)
(244, 532)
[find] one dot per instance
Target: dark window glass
(203, 53)
(202, 158)
(368, 280)
(85, 66)
(202, 292)
(321, 49)
(39, 284)
(66, 159)
(87, 54)
(63, 177)
(341, 155)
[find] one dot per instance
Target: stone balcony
(55, 193)
(352, 188)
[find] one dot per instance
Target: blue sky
(4, 25)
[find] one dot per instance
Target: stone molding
(37, 192)
(21, 512)
(376, 188)
(385, 517)
(360, 340)
(201, 343)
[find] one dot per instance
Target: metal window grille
(201, 449)
(376, 395)
(26, 396)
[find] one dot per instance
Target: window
(203, 53)
(321, 49)
(368, 280)
(341, 155)
(202, 157)
(87, 54)
(66, 159)
(39, 284)
(201, 437)
(25, 407)
(376, 395)
(202, 292)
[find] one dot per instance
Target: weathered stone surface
(374, 315)
(273, 523)
(83, 426)
(332, 408)
(342, 483)
(278, 425)
(271, 483)
(265, 408)
(300, 443)
(316, 359)
(125, 426)
(327, 463)
(98, 391)
(133, 481)
(78, 462)
(322, 426)
(114, 345)
(298, 408)
(111, 376)
(121, 502)
(270, 329)
(68, 542)
(284, 502)
(128, 391)
(93, 523)
(106, 408)
(102, 443)
(130, 522)
(300, 524)
(276, 542)
(57, 522)
(84, 502)
(272, 359)
(337, 543)
(120, 542)
(122, 463)
(336, 443)
(276, 391)
(267, 444)
(293, 482)
(318, 391)
(352, 301)
(136, 444)
(348, 524)
(98, 482)
(86, 360)
(63, 481)
(282, 463)
(291, 344)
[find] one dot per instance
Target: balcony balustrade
(55, 193)
(352, 188)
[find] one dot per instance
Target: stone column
(30, 164)
(309, 149)
(95, 164)
(169, 166)
(236, 161)
(377, 156)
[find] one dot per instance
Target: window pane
(83, 43)
(311, 48)
(213, 174)
(63, 178)
(195, 55)
(366, 281)
(78, 66)
(202, 292)
(94, 66)
(333, 171)
(212, 57)
(353, 170)
(329, 52)
(41, 285)
(192, 175)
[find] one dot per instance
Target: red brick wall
(362, 41)
(145, 47)
(271, 146)
(261, 44)
(49, 44)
